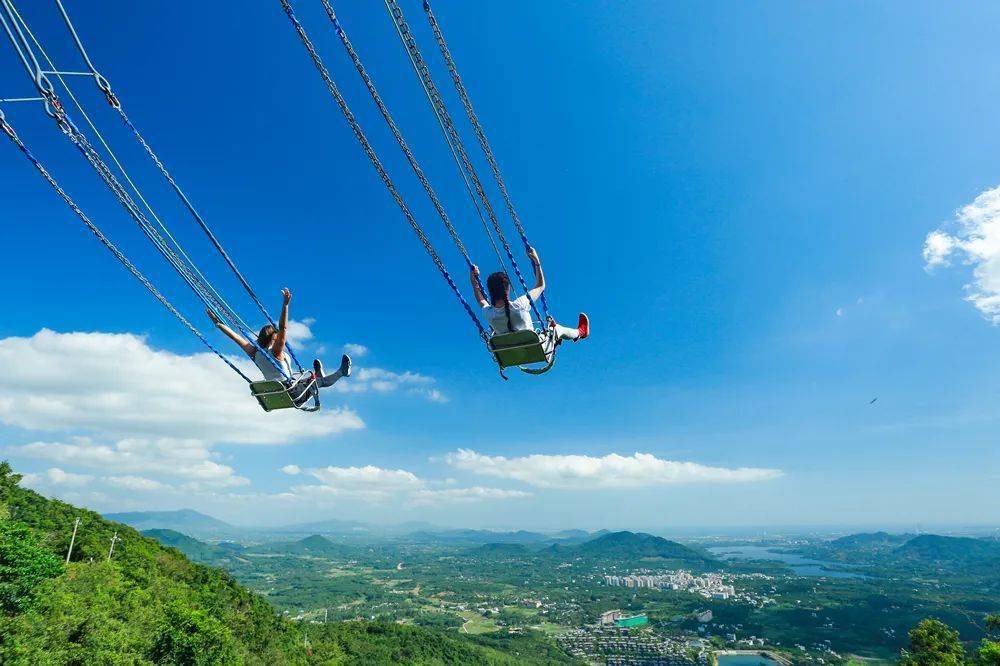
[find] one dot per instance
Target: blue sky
(737, 194)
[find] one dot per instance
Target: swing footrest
(291, 394)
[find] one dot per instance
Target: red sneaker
(583, 326)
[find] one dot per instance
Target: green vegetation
(149, 604)
(522, 599)
(933, 643)
(631, 546)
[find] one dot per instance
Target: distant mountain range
(870, 541)
(635, 546)
(186, 521)
(618, 546)
(926, 551)
(197, 524)
(932, 548)
(198, 551)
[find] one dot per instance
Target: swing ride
(533, 350)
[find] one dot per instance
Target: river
(802, 566)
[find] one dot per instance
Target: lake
(802, 566)
(744, 660)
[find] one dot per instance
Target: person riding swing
(272, 341)
(509, 316)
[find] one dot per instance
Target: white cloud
(368, 482)
(355, 350)
(300, 332)
(140, 483)
(938, 247)
(55, 477)
(464, 495)
(120, 387)
(184, 459)
(610, 471)
(378, 380)
(976, 241)
(379, 485)
(433, 395)
(369, 476)
(60, 478)
(291, 469)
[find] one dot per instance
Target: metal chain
(437, 102)
(196, 280)
(12, 135)
(373, 157)
(478, 129)
(219, 304)
(113, 100)
(417, 170)
(113, 184)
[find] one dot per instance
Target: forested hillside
(149, 604)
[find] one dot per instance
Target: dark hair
(498, 284)
(266, 336)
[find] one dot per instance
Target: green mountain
(149, 604)
(950, 551)
(632, 546)
(199, 551)
(870, 542)
(185, 521)
(315, 545)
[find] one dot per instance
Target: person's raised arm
(535, 293)
(278, 346)
(474, 278)
(244, 344)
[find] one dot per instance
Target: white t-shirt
(520, 316)
(267, 368)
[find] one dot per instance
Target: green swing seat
(293, 394)
(524, 349)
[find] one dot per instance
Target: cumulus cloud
(187, 460)
(370, 483)
(463, 495)
(610, 471)
(119, 386)
(355, 350)
(367, 477)
(378, 380)
(58, 477)
(140, 483)
(291, 469)
(299, 333)
(378, 485)
(975, 240)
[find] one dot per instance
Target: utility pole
(326, 615)
(111, 551)
(72, 540)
